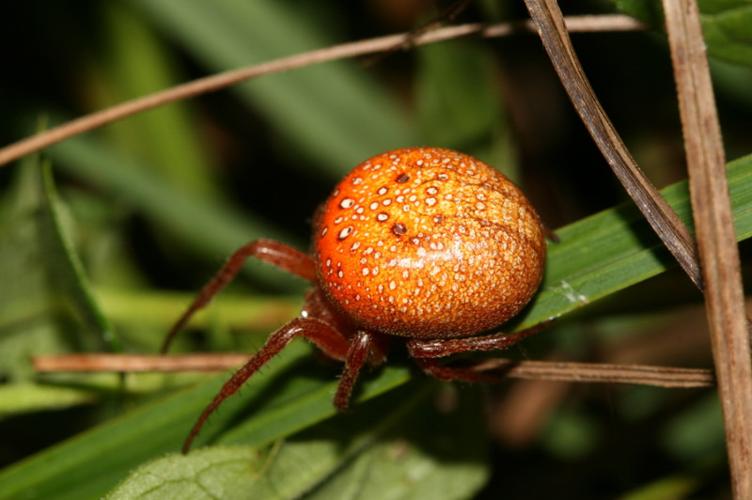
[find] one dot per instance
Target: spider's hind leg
(427, 352)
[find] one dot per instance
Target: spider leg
(439, 348)
(316, 331)
(328, 339)
(427, 353)
(357, 355)
(272, 252)
(434, 368)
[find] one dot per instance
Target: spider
(426, 246)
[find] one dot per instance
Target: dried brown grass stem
(659, 376)
(661, 217)
(104, 362)
(719, 256)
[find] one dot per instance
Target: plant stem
(719, 255)
(658, 376)
(342, 51)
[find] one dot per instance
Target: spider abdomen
(428, 243)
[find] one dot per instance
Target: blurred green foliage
(141, 212)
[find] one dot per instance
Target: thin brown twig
(711, 207)
(219, 81)
(105, 362)
(447, 16)
(659, 376)
(661, 217)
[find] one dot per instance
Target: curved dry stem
(342, 51)
(661, 217)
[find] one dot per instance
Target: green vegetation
(104, 238)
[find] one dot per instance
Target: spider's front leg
(320, 333)
(428, 352)
(272, 252)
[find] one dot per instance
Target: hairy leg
(427, 353)
(318, 332)
(434, 368)
(358, 354)
(272, 252)
(439, 348)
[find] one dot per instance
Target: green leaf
(293, 397)
(450, 115)
(669, 488)
(571, 435)
(205, 474)
(697, 433)
(65, 269)
(333, 113)
(614, 249)
(726, 28)
(432, 455)
(26, 397)
(387, 449)
(158, 310)
(209, 227)
(725, 25)
(45, 294)
(29, 322)
(135, 61)
(597, 256)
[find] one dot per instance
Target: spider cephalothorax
(424, 244)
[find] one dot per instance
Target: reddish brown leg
(318, 332)
(360, 350)
(273, 252)
(427, 352)
(328, 340)
(439, 348)
(433, 367)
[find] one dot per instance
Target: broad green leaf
(388, 449)
(597, 256)
(211, 473)
(725, 25)
(432, 455)
(333, 113)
